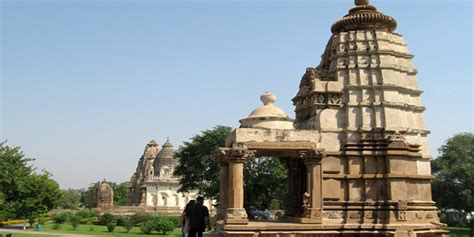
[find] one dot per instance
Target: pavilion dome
(268, 115)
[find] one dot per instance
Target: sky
(86, 84)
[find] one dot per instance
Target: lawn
(102, 230)
(4, 233)
(458, 231)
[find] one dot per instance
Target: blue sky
(85, 84)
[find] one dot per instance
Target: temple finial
(362, 2)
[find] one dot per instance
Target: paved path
(43, 233)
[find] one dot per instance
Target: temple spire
(364, 17)
(362, 2)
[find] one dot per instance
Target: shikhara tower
(357, 154)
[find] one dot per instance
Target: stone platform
(254, 229)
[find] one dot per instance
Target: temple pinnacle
(362, 2)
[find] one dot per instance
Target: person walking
(184, 221)
(198, 215)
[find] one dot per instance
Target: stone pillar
(313, 198)
(235, 213)
(223, 189)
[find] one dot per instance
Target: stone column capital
(238, 153)
(312, 155)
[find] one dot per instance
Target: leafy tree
(71, 199)
(197, 169)
(454, 171)
(89, 196)
(26, 194)
(264, 181)
(264, 178)
(120, 193)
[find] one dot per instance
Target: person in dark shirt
(198, 215)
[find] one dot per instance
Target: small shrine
(105, 196)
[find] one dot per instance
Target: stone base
(236, 216)
(285, 229)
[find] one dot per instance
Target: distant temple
(105, 196)
(153, 185)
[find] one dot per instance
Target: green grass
(459, 231)
(4, 233)
(102, 230)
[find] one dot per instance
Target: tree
(120, 193)
(26, 193)
(197, 169)
(264, 178)
(89, 196)
(264, 181)
(454, 171)
(71, 199)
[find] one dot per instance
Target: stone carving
(402, 216)
(354, 215)
(306, 197)
(313, 154)
(333, 215)
(238, 151)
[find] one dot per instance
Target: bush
(41, 220)
(75, 221)
(86, 213)
(110, 227)
(175, 220)
(470, 224)
(140, 218)
(106, 219)
(61, 218)
(31, 221)
(164, 224)
(125, 222)
(57, 226)
(87, 220)
(147, 226)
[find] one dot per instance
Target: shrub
(75, 221)
(140, 218)
(61, 218)
(41, 220)
(147, 226)
(87, 220)
(175, 220)
(106, 219)
(56, 226)
(86, 213)
(110, 227)
(125, 222)
(163, 224)
(31, 221)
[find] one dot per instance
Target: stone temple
(153, 185)
(105, 196)
(357, 154)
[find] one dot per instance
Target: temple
(357, 154)
(105, 196)
(153, 186)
